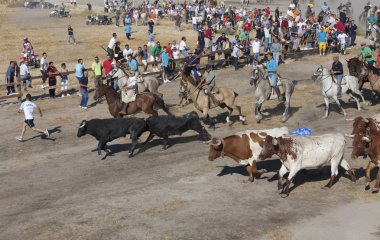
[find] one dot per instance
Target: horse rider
(128, 92)
(209, 81)
(192, 64)
(271, 69)
(366, 56)
(133, 65)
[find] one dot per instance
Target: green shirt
(97, 68)
(156, 50)
(366, 51)
(243, 36)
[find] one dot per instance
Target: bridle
(320, 75)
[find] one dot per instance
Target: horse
(226, 97)
(330, 88)
(148, 84)
(144, 101)
(263, 92)
(372, 77)
(355, 66)
(186, 77)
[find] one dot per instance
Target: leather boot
(124, 108)
(279, 95)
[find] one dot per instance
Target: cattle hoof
(284, 195)
(284, 119)
(325, 187)
(367, 187)
(375, 190)
(324, 117)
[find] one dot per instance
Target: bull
(107, 130)
(166, 125)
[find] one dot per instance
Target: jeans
(236, 62)
(11, 89)
(184, 53)
(276, 56)
(195, 72)
(26, 79)
(195, 27)
(256, 56)
(70, 37)
(274, 78)
(266, 44)
(84, 92)
(339, 80)
(52, 82)
(310, 45)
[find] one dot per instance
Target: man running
(28, 107)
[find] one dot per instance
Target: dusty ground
(57, 189)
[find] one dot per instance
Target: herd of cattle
(248, 147)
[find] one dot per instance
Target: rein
(332, 81)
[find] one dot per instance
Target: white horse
(330, 88)
(374, 35)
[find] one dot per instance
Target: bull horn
(83, 124)
(262, 136)
(366, 139)
(207, 142)
(349, 135)
(350, 119)
(366, 120)
(217, 143)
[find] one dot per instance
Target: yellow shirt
(97, 68)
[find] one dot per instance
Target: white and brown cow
(299, 152)
(244, 147)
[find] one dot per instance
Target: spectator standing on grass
(10, 78)
(276, 49)
(83, 90)
(107, 66)
(70, 35)
(52, 75)
(64, 80)
(28, 107)
(128, 31)
(183, 48)
(235, 54)
(256, 49)
(144, 57)
(79, 70)
(97, 68)
(165, 65)
(25, 75)
(155, 55)
(43, 69)
(111, 44)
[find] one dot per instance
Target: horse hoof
(284, 195)
(367, 187)
(284, 119)
(324, 117)
(375, 190)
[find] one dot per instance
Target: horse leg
(230, 110)
(258, 115)
(241, 117)
(356, 99)
(340, 106)
(326, 107)
(368, 175)
(361, 96)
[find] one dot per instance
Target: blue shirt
(271, 65)
(128, 28)
(165, 59)
(10, 72)
(79, 70)
(322, 37)
(133, 64)
(372, 19)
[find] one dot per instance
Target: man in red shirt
(107, 66)
(247, 26)
(208, 37)
(340, 26)
(52, 74)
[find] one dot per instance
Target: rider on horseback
(271, 69)
(366, 56)
(209, 81)
(128, 92)
(193, 62)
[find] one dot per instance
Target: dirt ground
(56, 188)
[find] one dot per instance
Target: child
(64, 80)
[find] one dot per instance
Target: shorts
(166, 69)
(322, 46)
(29, 122)
(64, 80)
(144, 62)
(128, 35)
(154, 59)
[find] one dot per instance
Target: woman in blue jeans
(83, 82)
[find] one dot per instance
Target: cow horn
(349, 135)
(262, 136)
(366, 120)
(207, 142)
(83, 124)
(366, 139)
(350, 119)
(216, 143)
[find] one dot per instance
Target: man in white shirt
(128, 92)
(111, 44)
(256, 49)
(43, 69)
(28, 107)
(235, 54)
(183, 47)
(127, 51)
(25, 75)
(342, 38)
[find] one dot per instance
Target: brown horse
(355, 66)
(144, 101)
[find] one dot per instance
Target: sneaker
(167, 81)
(79, 94)
(46, 132)
(19, 138)
(84, 107)
(67, 95)
(63, 95)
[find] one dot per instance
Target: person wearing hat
(271, 69)
(209, 81)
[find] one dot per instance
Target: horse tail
(159, 102)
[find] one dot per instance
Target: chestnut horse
(144, 101)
